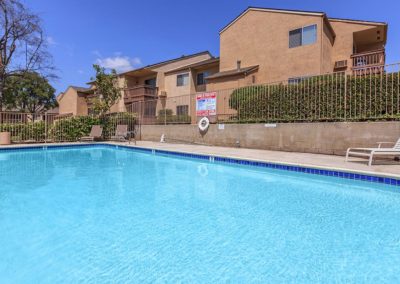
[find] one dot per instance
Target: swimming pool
(104, 214)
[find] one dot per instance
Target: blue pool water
(106, 215)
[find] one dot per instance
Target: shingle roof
(233, 72)
(80, 89)
(194, 65)
(168, 61)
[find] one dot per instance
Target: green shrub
(25, 131)
(110, 122)
(167, 116)
(323, 98)
(72, 128)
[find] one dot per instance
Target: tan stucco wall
(172, 89)
(326, 53)
(175, 65)
(343, 46)
(326, 138)
(262, 38)
(233, 82)
(68, 102)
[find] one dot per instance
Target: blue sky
(129, 34)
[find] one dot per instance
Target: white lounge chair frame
(370, 152)
(121, 133)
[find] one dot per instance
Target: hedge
(25, 131)
(67, 129)
(167, 116)
(336, 97)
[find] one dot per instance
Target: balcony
(368, 62)
(140, 93)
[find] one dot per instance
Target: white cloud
(51, 41)
(119, 62)
(80, 71)
(136, 61)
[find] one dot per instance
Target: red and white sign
(206, 104)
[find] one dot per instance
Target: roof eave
(360, 22)
(298, 12)
(151, 66)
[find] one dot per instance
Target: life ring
(204, 123)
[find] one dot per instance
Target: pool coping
(382, 178)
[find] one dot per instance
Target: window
(297, 80)
(294, 81)
(150, 82)
(303, 36)
(182, 79)
(201, 78)
(295, 38)
(182, 110)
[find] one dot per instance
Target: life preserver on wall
(204, 123)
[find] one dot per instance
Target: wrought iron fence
(174, 110)
(47, 128)
(368, 94)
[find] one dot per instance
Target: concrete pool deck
(381, 167)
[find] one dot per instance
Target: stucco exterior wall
(174, 65)
(68, 102)
(343, 46)
(262, 38)
(326, 138)
(172, 89)
(327, 46)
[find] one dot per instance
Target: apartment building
(271, 45)
(261, 45)
(171, 78)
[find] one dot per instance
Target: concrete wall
(326, 138)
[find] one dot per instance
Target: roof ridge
(169, 61)
(270, 9)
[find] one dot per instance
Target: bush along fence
(333, 97)
(368, 94)
(32, 128)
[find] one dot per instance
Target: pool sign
(206, 104)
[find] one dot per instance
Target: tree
(29, 92)
(106, 88)
(23, 47)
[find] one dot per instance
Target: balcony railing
(369, 60)
(139, 93)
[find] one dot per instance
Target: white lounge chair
(121, 133)
(95, 134)
(370, 152)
